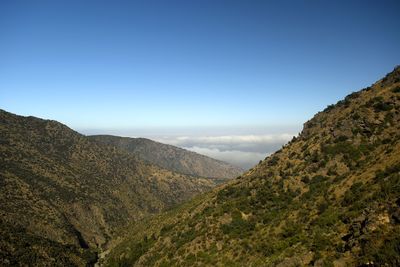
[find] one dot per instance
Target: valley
(330, 197)
(201, 133)
(64, 195)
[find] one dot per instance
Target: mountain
(172, 158)
(330, 197)
(63, 195)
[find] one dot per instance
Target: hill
(172, 158)
(63, 195)
(330, 197)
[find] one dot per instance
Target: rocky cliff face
(64, 195)
(330, 197)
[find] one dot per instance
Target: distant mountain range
(172, 158)
(330, 197)
(63, 195)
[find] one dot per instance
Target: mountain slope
(330, 197)
(172, 158)
(63, 195)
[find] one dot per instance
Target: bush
(385, 253)
(355, 116)
(166, 228)
(322, 207)
(329, 108)
(317, 185)
(184, 238)
(138, 250)
(387, 172)
(354, 194)
(317, 179)
(305, 179)
(396, 89)
(232, 193)
(266, 248)
(327, 219)
(273, 161)
(349, 151)
(237, 227)
(379, 104)
(382, 106)
(320, 241)
(341, 138)
(290, 229)
(389, 181)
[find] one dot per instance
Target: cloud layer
(238, 158)
(241, 150)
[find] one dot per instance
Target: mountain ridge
(64, 195)
(171, 157)
(330, 197)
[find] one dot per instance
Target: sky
(231, 79)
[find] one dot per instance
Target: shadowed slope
(63, 195)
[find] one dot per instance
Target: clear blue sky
(137, 64)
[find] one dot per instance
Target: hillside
(63, 195)
(330, 197)
(172, 158)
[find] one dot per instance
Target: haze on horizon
(230, 79)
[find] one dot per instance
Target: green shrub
(166, 228)
(138, 250)
(381, 174)
(322, 207)
(183, 238)
(332, 172)
(396, 89)
(341, 138)
(317, 185)
(266, 248)
(329, 108)
(290, 230)
(355, 116)
(320, 241)
(328, 218)
(389, 182)
(379, 104)
(237, 227)
(354, 194)
(385, 253)
(382, 106)
(317, 179)
(353, 95)
(305, 179)
(230, 193)
(273, 161)
(349, 151)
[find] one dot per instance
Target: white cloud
(240, 150)
(241, 159)
(245, 148)
(249, 143)
(235, 139)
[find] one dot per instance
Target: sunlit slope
(330, 197)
